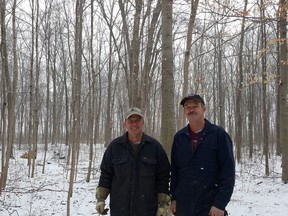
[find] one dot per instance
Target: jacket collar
(208, 126)
(145, 138)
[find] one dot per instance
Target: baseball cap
(192, 96)
(133, 111)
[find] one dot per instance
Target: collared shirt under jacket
(134, 179)
(204, 177)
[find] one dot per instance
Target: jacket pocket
(148, 166)
(121, 167)
(119, 161)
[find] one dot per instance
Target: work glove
(101, 195)
(100, 208)
(163, 204)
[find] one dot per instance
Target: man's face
(134, 124)
(194, 109)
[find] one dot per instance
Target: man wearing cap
(202, 164)
(135, 172)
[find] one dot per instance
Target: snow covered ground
(46, 194)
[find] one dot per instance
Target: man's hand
(216, 212)
(163, 204)
(173, 207)
(100, 208)
(101, 195)
(162, 211)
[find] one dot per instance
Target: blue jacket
(135, 180)
(204, 177)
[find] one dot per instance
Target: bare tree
(108, 124)
(167, 86)
(283, 87)
(264, 88)
(150, 61)
(187, 55)
(47, 40)
(76, 96)
(239, 90)
(133, 48)
(10, 89)
(109, 19)
(31, 87)
(91, 96)
(35, 104)
(7, 102)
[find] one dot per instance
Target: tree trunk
(238, 111)
(36, 93)
(91, 99)
(149, 64)
(76, 97)
(283, 88)
(133, 49)
(48, 60)
(108, 123)
(221, 93)
(4, 59)
(187, 55)
(264, 90)
(167, 87)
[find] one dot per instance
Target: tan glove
(100, 208)
(101, 195)
(163, 204)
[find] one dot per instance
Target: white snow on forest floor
(46, 194)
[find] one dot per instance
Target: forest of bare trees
(70, 69)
